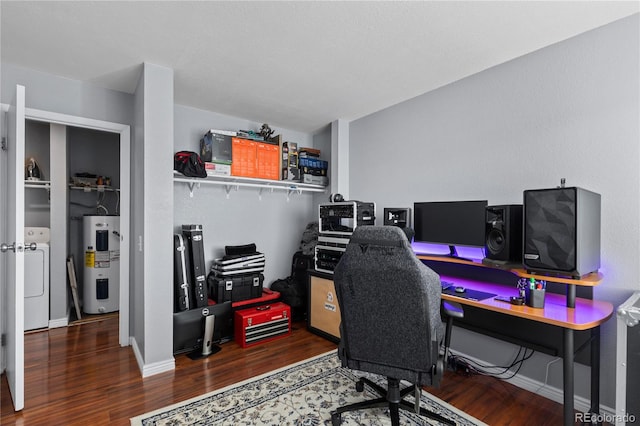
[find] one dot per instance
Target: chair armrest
(453, 309)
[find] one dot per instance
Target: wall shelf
(96, 188)
(38, 184)
(235, 182)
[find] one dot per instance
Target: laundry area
(72, 234)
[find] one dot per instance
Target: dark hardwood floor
(79, 375)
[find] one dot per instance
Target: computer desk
(586, 314)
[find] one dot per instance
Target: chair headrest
(379, 235)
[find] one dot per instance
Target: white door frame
(125, 196)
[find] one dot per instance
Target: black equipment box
(181, 275)
(342, 218)
(235, 288)
(193, 235)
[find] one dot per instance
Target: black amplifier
(326, 258)
(343, 217)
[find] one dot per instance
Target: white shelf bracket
(192, 185)
(227, 189)
(293, 191)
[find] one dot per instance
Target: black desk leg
(595, 370)
(567, 374)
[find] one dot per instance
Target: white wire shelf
(38, 184)
(96, 188)
(235, 183)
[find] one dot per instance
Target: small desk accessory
(534, 291)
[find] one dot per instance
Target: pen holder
(534, 297)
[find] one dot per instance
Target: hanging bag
(189, 164)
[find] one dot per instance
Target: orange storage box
(243, 158)
(268, 161)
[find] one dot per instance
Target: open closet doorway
(88, 174)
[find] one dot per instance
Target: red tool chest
(262, 324)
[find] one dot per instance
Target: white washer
(36, 279)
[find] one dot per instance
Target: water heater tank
(101, 279)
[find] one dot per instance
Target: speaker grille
(503, 233)
(550, 228)
(495, 241)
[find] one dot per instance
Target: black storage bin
(235, 288)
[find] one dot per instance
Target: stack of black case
(238, 275)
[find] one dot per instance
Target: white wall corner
(339, 175)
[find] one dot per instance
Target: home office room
(516, 119)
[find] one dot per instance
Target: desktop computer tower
(561, 231)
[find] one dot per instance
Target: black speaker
(503, 233)
(397, 216)
(562, 231)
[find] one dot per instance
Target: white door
(13, 249)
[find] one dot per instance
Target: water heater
(101, 282)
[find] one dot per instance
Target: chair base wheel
(360, 386)
(336, 419)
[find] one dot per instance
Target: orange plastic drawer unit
(268, 161)
(243, 157)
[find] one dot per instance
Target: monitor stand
(453, 254)
(208, 348)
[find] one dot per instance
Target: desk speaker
(562, 231)
(503, 233)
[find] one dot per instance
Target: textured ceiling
(297, 65)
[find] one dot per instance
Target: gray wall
(272, 222)
(65, 96)
(158, 214)
(56, 94)
(570, 110)
(136, 267)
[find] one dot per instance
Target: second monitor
(452, 223)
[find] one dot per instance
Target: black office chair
(391, 319)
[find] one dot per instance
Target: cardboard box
(315, 180)
(217, 169)
(290, 166)
(215, 146)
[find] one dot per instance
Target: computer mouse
(460, 289)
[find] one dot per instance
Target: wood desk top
(589, 280)
(586, 315)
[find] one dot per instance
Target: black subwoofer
(503, 233)
(562, 231)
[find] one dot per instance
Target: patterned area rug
(300, 394)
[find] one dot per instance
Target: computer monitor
(198, 329)
(452, 223)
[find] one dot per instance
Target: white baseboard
(59, 322)
(552, 393)
(150, 369)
